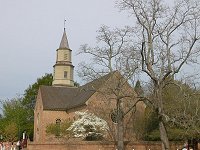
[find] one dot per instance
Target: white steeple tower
(63, 69)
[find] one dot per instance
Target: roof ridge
(102, 78)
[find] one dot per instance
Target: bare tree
(114, 52)
(167, 38)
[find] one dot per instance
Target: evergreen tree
(138, 88)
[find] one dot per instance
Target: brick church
(59, 102)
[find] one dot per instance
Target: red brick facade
(42, 118)
(102, 102)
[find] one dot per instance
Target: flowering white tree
(88, 126)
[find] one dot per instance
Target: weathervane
(64, 23)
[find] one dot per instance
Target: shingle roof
(97, 83)
(64, 98)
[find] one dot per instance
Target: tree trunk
(120, 132)
(162, 129)
(163, 136)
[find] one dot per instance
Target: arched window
(114, 115)
(58, 122)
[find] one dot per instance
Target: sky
(31, 31)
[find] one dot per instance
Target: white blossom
(96, 125)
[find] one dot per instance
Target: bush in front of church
(88, 127)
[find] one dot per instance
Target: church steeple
(63, 69)
(64, 41)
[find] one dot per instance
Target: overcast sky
(31, 30)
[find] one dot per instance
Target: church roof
(64, 41)
(64, 98)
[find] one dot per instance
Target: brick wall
(85, 145)
(42, 118)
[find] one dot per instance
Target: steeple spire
(64, 41)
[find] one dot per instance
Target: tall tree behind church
(168, 38)
(29, 98)
(113, 52)
(31, 92)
